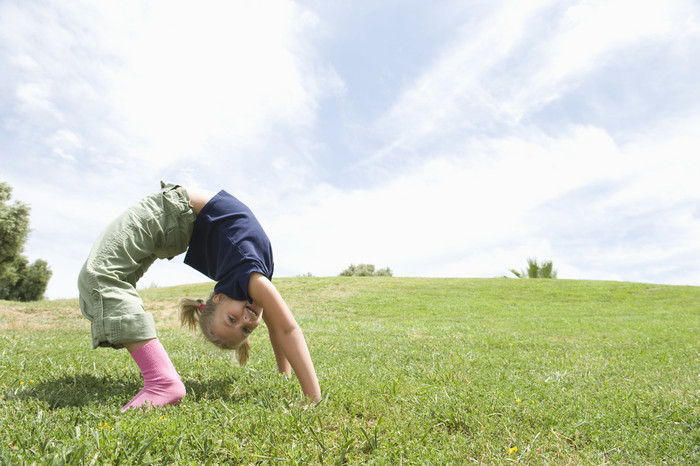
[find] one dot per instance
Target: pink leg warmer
(161, 382)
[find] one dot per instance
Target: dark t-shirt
(228, 244)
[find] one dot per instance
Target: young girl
(225, 242)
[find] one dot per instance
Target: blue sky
(438, 138)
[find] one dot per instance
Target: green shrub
(536, 270)
(365, 270)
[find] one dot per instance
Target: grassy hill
(412, 370)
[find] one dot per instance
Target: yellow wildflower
(512, 450)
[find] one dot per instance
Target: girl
(225, 242)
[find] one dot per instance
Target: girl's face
(234, 320)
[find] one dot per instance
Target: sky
(439, 138)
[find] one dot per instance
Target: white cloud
(461, 179)
(521, 57)
(451, 94)
(169, 80)
(587, 35)
(598, 209)
(36, 97)
(64, 142)
(666, 163)
(224, 71)
(447, 206)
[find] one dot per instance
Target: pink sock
(161, 382)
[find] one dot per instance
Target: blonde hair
(196, 313)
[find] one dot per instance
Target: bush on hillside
(365, 270)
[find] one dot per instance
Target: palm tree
(535, 270)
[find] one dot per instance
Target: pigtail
(243, 352)
(190, 311)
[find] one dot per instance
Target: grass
(413, 371)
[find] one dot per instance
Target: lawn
(413, 371)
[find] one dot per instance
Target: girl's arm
(285, 334)
(282, 363)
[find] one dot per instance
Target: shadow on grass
(81, 390)
(88, 390)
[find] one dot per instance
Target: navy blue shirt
(228, 244)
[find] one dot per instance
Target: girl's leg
(161, 382)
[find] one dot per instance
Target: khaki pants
(158, 227)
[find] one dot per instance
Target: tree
(365, 270)
(19, 280)
(536, 270)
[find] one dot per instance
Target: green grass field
(413, 371)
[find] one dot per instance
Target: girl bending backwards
(225, 242)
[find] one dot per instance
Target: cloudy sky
(440, 138)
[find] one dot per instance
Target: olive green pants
(158, 227)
